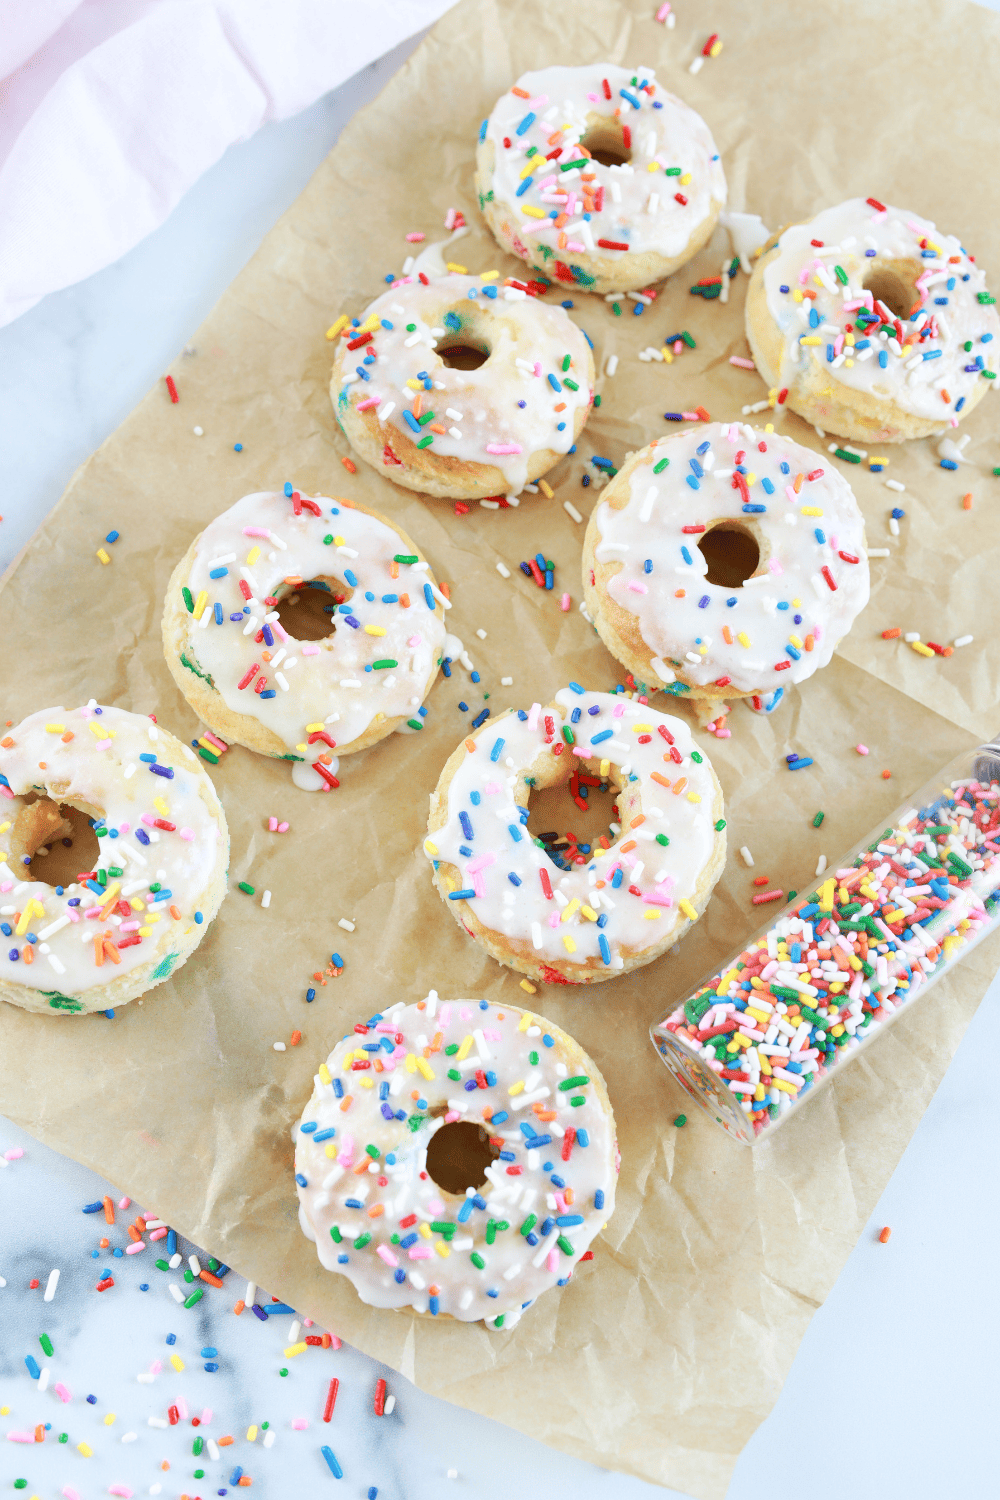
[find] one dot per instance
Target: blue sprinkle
(599, 1198)
(428, 596)
(497, 750)
(704, 601)
(604, 947)
(466, 823)
(327, 1453)
(525, 124)
(767, 485)
(514, 879)
(686, 555)
(693, 482)
(554, 383)
(515, 832)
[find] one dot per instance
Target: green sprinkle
(249, 889)
(597, 402)
(199, 1473)
(616, 309)
(565, 363)
(335, 1234)
(528, 1225)
(207, 755)
(426, 441)
(451, 1049)
(406, 557)
(328, 539)
(362, 1240)
(967, 346)
(414, 723)
(195, 1296)
(442, 1226)
(373, 1152)
(20, 1484)
(197, 1446)
(186, 594)
(734, 264)
(189, 1277)
(583, 161)
(411, 327)
(533, 1059)
(477, 1261)
(984, 298)
(840, 274)
(164, 1265)
(661, 838)
(454, 1075)
(988, 374)
(64, 1437)
(817, 820)
(696, 755)
(577, 1100)
(115, 870)
(568, 735)
(571, 383)
(427, 416)
(851, 458)
(688, 340)
(491, 1231)
(574, 1083)
(681, 1120)
(672, 171)
(659, 468)
(378, 666)
(498, 1322)
(283, 1371)
(46, 1343)
(565, 1245)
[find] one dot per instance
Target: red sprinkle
(767, 896)
(102, 1286)
(605, 85)
(246, 680)
(568, 1140)
(172, 389)
(543, 875)
(816, 474)
(874, 203)
(679, 197)
(706, 51)
(614, 244)
(380, 1398)
(365, 338)
(331, 1399)
(829, 577)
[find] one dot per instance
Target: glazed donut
(463, 433)
(879, 328)
(474, 1164)
(725, 563)
(252, 682)
(124, 926)
(637, 897)
(598, 226)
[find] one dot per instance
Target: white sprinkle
(129, 1437)
(747, 856)
(894, 484)
(611, 364)
(878, 552)
(821, 864)
(145, 1379)
(481, 634)
(198, 431)
(572, 511)
(346, 925)
(961, 640)
(506, 682)
(452, 1473)
(175, 1260)
(893, 526)
(503, 571)
(390, 1402)
(385, 410)
(158, 1421)
(279, 1046)
(178, 1296)
(911, 635)
(697, 65)
(269, 1438)
(50, 1286)
(265, 900)
(646, 509)
(195, 1264)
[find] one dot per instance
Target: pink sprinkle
(552, 1260)
(92, 911)
(186, 833)
(503, 447)
(128, 927)
(594, 98)
(213, 739)
(120, 1489)
(157, 1234)
(334, 1341)
(206, 1416)
(69, 1492)
(690, 416)
(744, 364)
(387, 1255)
(533, 713)
(124, 1202)
(102, 745)
(654, 898)
(415, 237)
(775, 566)
(13, 1154)
(420, 1252)
(124, 827)
(272, 825)
(135, 1248)
(182, 1407)
(282, 827)
(861, 749)
(149, 820)
(8, 885)
(309, 648)
(452, 1116)
(156, 1367)
(618, 710)
(62, 1392)
(564, 603)
(663, 12)
(256, 531)
(554, 919)
(307, 1322)
(637, 588)
(723, 734)
(279, 631)
(414, 640)
(299, 1424)
(368, 404)
(10, 795)
(481, 862)
(22, 1437)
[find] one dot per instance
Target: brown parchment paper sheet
(670, 1347)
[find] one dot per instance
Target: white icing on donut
(912, 374)
(163, 827)
(639, 205)
(593, 911)
(388, 1219)
(326, 682)
(787, 613)
(477, 415)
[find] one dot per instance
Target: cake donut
(412, 404)
(879, 327)
(725, 562)
(637, 896)
(252, 682)
(456, 1158)
(126, 923)
(598, 177)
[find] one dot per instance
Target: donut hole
(57, 839)
(458, 1154)
(307, 611)
(605, 142)
(464, 356)
(732, 554)
(892, 283)
(569, 833)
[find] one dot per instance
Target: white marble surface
(893, 1391)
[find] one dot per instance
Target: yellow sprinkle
(370, 324)
(726, 981)
(530, 166)
(570, 909)
(694, 796)
(252, 556)
(98, 731)
(462, 270)
(442, 1249)
(448, 883)
(313, 728)
(331, 1150)
(605, 768)
(335, 328)
(743, 1040)
(432, 849)
(688, 910)
(105, 559)
(4, 1411)
(642, 728)
(302, 748)
(568, 941)
(24, 920)
(796, 296)
(751, 478)
(410, 1063)
(826, 895)
(488, 275)
(743, 639)
(425, 1068)
(3, 852)
(920, 648)
(366, 1082)
(589, 913)
(535, 213)
(786, 1088)
(765, 1066)
(516, 1088)
(290, 1353)
(532, 990)
(654, 166)
(795, 642)
(811, 510)
(668, 357)
(251, 1433)
(161, 806)
(177, 1362)
(417, 385)
(759, 1015)
(324, 1073)
(812, 338)
(685, 179)
(425, 1230)
(374, 630)
(651, 915)
(85, 1449)
(199, 604)
(525, 1020)
(546, 489)
(54, 728)
(463, 1050)
(760, 1092)
(338, 541)
(109, 1419)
